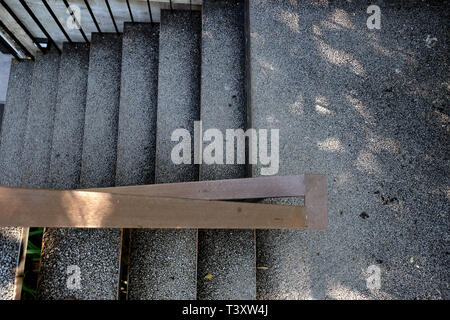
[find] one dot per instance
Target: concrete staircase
(365, 107)
(102, 114)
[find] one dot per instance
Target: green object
(35, 232)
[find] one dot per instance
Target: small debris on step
(262, 268)
(209, 276)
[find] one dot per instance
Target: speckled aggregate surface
(370, 109)
(14, 122)
(227, 255)
(67, 145)
(178, 90)
(137, 139)
(94, 252)
(11, 146)
(28, 140)
(138, 104)
(40, 122)
(102, 111)
(163, 262)
(10, 243)
(223, 77)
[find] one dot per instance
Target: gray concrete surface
(227, 255)
(102, 111)
(65, 164)
(2, 108)
(11, 146)
(138, 105)
(178, 90)
(137, 129)
(14, 122)
(69, 118)
(96, 252)
(100, 254)
(165, 261)
(40, 121)
(5, 66)
(369, 108)
(162, 264)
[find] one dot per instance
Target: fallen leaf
(411, 260)
(209, 276)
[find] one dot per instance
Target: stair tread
(11, 146)
(228, 255)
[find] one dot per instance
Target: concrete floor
(370, 108)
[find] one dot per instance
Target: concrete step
(65, 164)
(138, 104)
(228, 255)
(67, 143)
(166, 260)
(40, 122)
(95, 253)
(14, 122)
(11, 147)
(137, 127)
(102, 111)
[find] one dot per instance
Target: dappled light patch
(383, 144)
(297, 108)
(290, 19)
(341, 17)
(361, 108)
(366, 162)
(331, 144)
(322, 110)
(316, 30)
(340, 57)
(340, 292)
